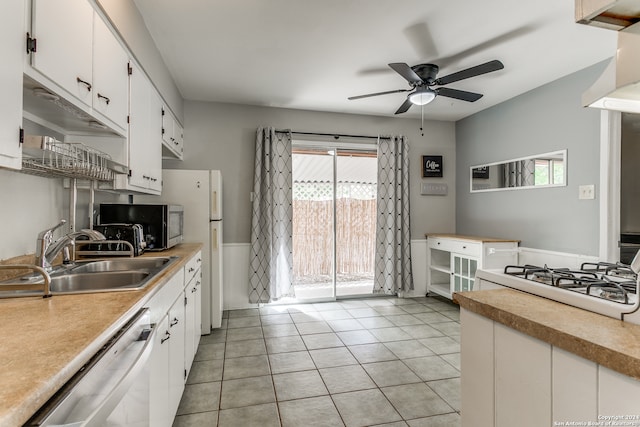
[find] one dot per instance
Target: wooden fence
(313, 235)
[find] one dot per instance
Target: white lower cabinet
(522, 379)
(193, 314)
(177, 367)
(511, 379)
(159, 380)
(174, 309)
(453, 260)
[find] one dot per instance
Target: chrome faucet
(47, 250)
(44, 240)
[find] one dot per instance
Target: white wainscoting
(235, 258)
(540, 257)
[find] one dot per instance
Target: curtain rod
(334, 135)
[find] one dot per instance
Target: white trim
(610, 149)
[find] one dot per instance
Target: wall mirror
(537, 171)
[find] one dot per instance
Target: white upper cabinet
(110, 74)
(145, 138)
(172, 136)
(11, 51)
(63, 30)
(76, 55)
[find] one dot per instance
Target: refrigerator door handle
(214, 203)
(214, 238)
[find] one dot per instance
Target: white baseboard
(235, 258)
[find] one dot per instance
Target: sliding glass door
(334, 209)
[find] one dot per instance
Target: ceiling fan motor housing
(427, 72)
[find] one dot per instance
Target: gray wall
(546, 119)
(222, 136)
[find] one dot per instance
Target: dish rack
(46, 156)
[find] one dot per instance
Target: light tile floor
(357, 362)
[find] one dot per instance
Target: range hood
(618, 88)
(610, 14)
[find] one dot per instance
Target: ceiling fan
(422, 79)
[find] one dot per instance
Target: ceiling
(312, 55)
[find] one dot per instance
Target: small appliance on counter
(162, 224)
(132, 233)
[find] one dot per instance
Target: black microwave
(162, 225)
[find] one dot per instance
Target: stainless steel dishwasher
(112, 389)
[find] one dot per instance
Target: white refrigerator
(200, 193)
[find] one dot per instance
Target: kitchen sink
(98, 282)
(104, 275)
(119, 264)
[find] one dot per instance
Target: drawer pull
(174, 322)
(167, 335)
(191, 269)
(464, 247)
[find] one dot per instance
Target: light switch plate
(587, 192)
(431, 189)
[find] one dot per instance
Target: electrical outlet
(587, 192)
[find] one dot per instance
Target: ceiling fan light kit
(422, 96)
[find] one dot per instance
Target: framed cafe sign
(432, 166)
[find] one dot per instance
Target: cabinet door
(463, 273)
(167, 127)
(159, 379)
(522, 379)
(176, 354)
(110, 75)
(198, 311)
(190, 309)
(64, 33)
(11, 51)
(139, 128)
(155, 142)
(477, 362)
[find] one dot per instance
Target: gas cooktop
(612, 282)
(605, 288)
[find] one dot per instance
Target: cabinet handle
(438, 243)
(194, 289)
(199, 260)
(106, 99)
(167, 335)
(87, 84)
(464, 247)
(174, 322)
(198, 283)
(145, 177)
(175, 142)
(191, 269)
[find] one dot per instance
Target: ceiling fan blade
(458, 94)
(485, 45)
(351, 98)
(485, 68)
(405, 71)
(404, 107)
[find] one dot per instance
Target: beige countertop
(471, 238)
(45, 341)
(609, 342)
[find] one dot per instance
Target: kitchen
(507, 130)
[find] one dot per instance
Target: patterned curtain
(393, 245)
(519, 173)
(271, 264)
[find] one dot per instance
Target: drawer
(464, 247)
(192, 266)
